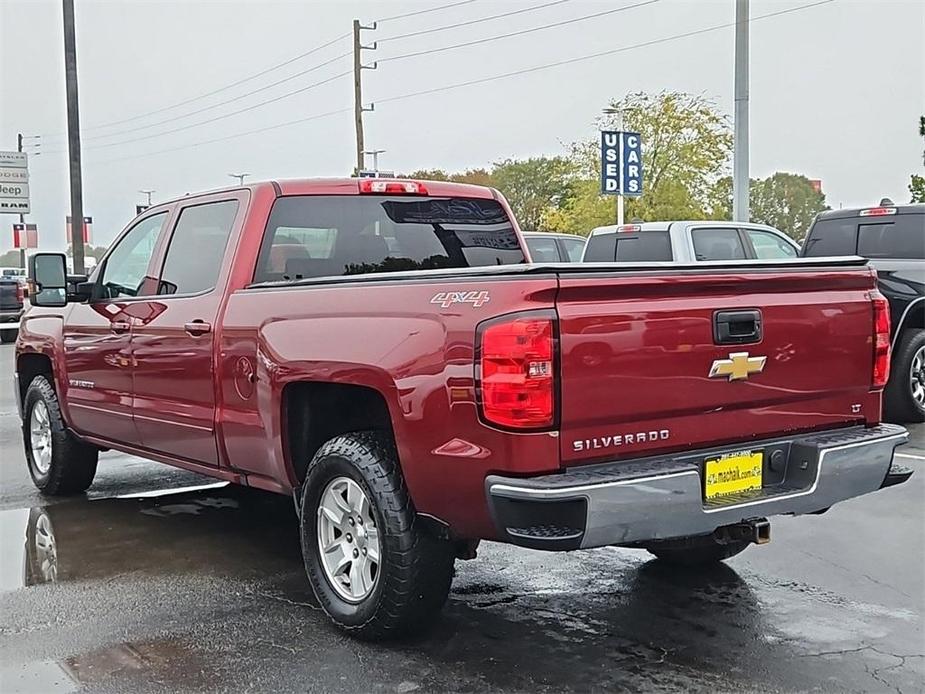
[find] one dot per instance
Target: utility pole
(740, 182)
(358, 67)
(22, 217)
(73, 137)
(240, 177)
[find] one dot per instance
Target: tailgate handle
(736, 327)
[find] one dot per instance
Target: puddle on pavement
(121, 662)
(231, 530)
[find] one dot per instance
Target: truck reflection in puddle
(236, 530)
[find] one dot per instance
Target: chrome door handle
(197, 328)
(120, 326)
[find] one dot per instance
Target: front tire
(59, 463)
(373, 568)
(699, 550)
(904, 396)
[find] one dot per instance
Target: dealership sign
(621, 163)
(14, 183)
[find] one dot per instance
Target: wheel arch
(912, 318)
(314, 412)
(28, 366)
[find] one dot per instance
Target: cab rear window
(899, 236)
(629, 247)
(323, 236)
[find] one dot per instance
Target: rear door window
(197, 247)
(543, 250)
(573, 248)
(720, 243)
(770, 246)
(330, 235)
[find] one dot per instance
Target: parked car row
(891, 236)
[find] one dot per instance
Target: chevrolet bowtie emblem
(738, 366)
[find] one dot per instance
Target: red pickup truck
(384, 352)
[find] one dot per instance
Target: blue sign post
(621, 163)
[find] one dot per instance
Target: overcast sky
(836, 90)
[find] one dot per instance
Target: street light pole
(148, 193)
(740, 182)
(240, 177)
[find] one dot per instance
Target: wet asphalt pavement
(203, 590)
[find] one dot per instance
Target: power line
(471, 21)
(224, 88)
(256, 131)
(429, 9)
(483, 80)
(223, 103)
(488, 39)
(591, 56)
(300, 74)
(226, 115)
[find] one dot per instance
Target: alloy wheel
(348, 539)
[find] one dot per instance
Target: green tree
(917, 188)
(89, 251)
(787, 202)
(533, 187)
(916, 182)
(10, 258)
(687, 145)
(479, 177)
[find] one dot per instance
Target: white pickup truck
(687, 242)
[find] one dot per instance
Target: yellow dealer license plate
(733, 473)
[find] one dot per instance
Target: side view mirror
(48, 279)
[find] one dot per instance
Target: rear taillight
(881, 337)
(516, 371)
(20, 293)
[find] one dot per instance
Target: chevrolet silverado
(381, 351)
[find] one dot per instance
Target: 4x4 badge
(446, 299)
(738, 366)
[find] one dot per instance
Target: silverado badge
(738, 366)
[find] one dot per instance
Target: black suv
(893, 238)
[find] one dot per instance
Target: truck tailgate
(638, 347)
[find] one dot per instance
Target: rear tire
(8, 336)
(904, 396)
(410, 582)
(698, 550)
(59, 463)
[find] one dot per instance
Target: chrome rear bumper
(628, 502)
